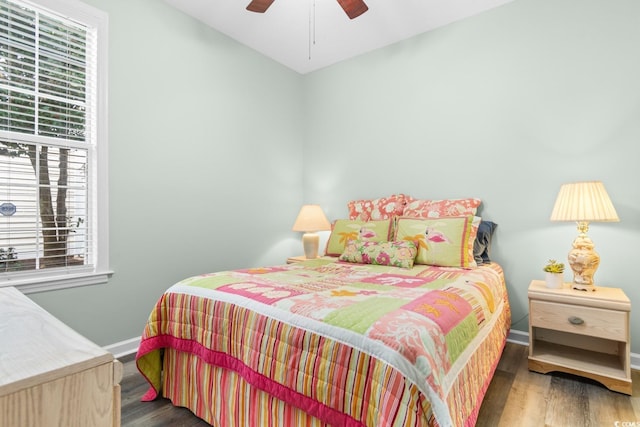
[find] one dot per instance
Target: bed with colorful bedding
(380, 335)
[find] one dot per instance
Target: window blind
(47, 140)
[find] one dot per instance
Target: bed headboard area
(445, 232)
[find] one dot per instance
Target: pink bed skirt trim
(216, 358)
(150, 395)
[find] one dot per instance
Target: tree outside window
(47, 139)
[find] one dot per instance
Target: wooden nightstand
(301, 258)
(294, 259)
(581, 333)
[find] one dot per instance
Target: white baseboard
(518, 337)
(126, 347)
(522, 338)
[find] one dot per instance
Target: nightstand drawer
(595, 322)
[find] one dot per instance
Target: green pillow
(344, 230)
(444, 241)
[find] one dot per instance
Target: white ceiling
(306, 35)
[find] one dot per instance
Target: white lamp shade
(311, 218)
(584, 201)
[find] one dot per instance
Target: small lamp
(583, 202)
(311, 219)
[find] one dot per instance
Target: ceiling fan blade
(353, 8)
(259, 6)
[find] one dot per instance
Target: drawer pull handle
(575, 320)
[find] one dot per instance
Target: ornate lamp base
(582, 287)
(584, 261)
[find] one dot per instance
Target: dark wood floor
(516, 397)
(158, 413)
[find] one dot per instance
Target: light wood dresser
(581, 333)
(49, 374)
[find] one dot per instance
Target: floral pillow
(396, 254)
(377, 209)
(344, 230)
(446, 241)
(438, 208)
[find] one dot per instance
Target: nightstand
(294, 259)
(581, 333)
(301, 258)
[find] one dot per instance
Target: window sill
(52, 283)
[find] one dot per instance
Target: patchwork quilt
(350, 344)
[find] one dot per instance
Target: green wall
(205, 164)
(208, 139)
(505, 106)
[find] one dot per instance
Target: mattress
(328, 343)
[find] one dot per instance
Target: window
(53, 145)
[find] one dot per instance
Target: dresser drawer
(595, 322)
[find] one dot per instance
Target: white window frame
(46, 280)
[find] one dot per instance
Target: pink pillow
(438, 208)
(377, 209)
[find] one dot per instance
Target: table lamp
(309, 220)
(583, 202)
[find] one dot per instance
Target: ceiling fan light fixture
(259, 6)
(353, 8)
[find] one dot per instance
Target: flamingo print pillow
(445, 241)
(344, 230)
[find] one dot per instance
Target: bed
(376, 335)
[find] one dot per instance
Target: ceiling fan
(353, 8)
